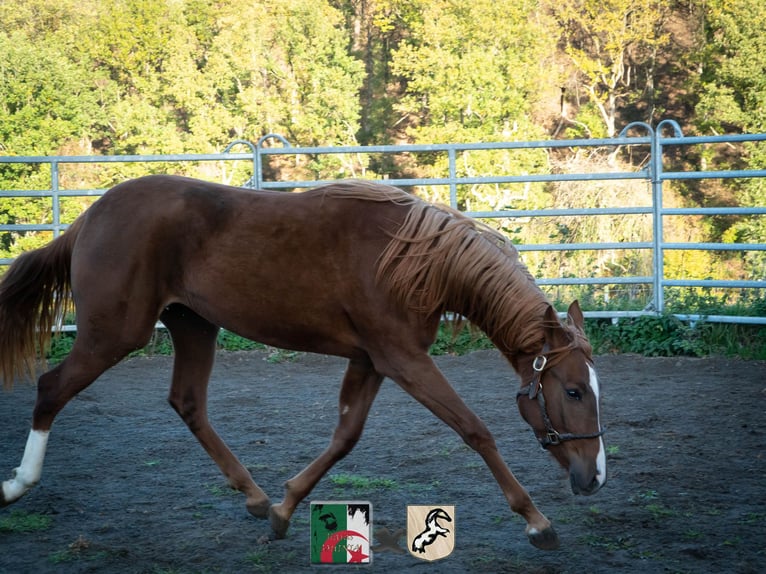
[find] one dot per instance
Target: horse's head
(559, 399)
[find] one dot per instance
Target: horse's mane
(441, 260)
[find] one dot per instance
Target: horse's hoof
(545, 539)
(278, 524)
(259, 509)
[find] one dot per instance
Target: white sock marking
(29, 471)
(601, 459)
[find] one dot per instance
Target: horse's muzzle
(584, 484)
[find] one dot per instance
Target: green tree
(45, 102)
(732, 97)
(733, 68)
(44, 98)
(283, 66)
(472, 70)
(612, 46)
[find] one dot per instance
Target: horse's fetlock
(279, 520)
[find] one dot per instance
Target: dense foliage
(148, 76)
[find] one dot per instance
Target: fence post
(452, 156)
(659, 233)
(55, 199)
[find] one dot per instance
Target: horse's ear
(551, 315)
(574, 316)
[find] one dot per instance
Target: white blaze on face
(601, 459)
(29, 471)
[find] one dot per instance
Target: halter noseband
(535, 390)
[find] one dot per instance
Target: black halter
(535, 390)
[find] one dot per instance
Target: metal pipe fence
(636, 136)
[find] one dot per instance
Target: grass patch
(228, 341)
(732, 542)
(693, 534)
(62, 556)
(80, 548)
(608, 543)
(358, 482)
(659, 511)
(19, 522)
(258, 560)
(281, 355)
(649, 500)
(218, 490)
(753, 518)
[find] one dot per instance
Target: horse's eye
(574, 394)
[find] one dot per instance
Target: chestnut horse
(355, 269)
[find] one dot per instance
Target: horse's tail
(34, 295)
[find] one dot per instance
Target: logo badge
(340, 532)
(431, 531)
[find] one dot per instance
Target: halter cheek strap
(536, 386)
(534, 390)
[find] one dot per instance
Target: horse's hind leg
(360, 385)
(194, 345)
(55, 389)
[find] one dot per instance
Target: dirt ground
(128, 489)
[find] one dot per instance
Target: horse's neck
(512, 316)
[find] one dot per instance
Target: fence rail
(652, 172)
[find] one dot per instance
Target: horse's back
(194, 220)
(243, 259)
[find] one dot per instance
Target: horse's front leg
(420, 377)
(360, 385)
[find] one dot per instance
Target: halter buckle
(539, 363)
(552, 438)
